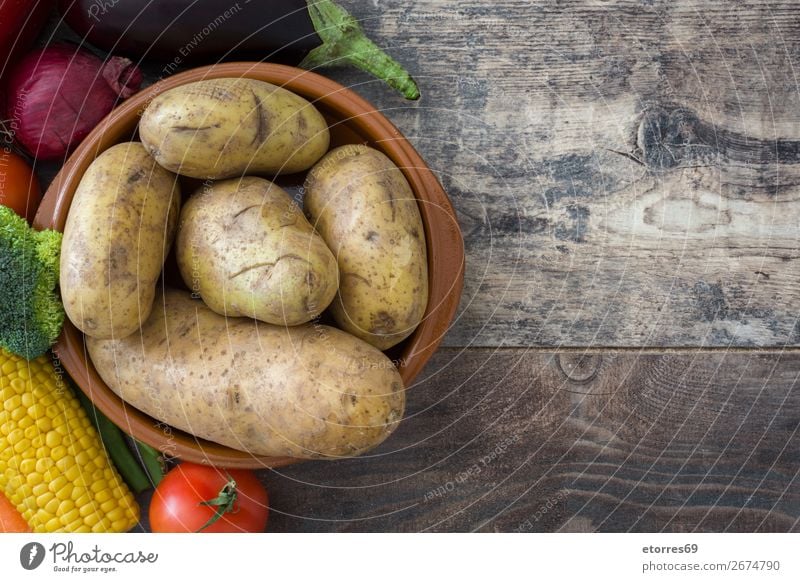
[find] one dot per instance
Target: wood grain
(626, 173)
(512, 440)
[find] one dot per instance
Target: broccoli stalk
(31, 312)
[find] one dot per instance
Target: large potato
(118, 232)
(221, 128)
(364, 208)
(246, 249)
(307, 391)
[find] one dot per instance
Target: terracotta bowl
(352, 120)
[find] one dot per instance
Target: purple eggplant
(307, 33)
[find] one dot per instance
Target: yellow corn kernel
(86, 510)
(47, 400)
(74, 474)
(37, 518)
(65, 492)
(116, 525)
(34, 478)
(52, 410)
(35, 408)
(65, 506)
(15, 436)
(25, 421)
(15, 482)
(103, 495)
(40, 489)
(44, 424)
(82, 459)
(58, 453)
(52, 439)
(44, 465)
(51, 506)
(12, 402)
(53, 466)
(22, 446)
(27, 466)
(58, 483)
(40, 377)
(103, 526)
(18, 385)
(88, 441)
(116, 514)
(32, 503)
(71, 518)
(92, 518)
(80, 494)
(31, 432)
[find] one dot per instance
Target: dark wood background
(627, 177)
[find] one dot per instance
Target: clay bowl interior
(352, 120)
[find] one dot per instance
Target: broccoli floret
(31, 312)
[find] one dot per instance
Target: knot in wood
(579, 368)
(666, 136)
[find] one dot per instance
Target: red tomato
(19, 187)
(190, 495)
(11, 521)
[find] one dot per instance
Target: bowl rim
(446, 273)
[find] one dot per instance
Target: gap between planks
(629, 349)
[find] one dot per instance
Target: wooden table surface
(626, 174)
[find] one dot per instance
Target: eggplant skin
(217, 30)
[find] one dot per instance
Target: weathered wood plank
(516, 440)
(626, 172)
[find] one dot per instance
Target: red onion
(58, 94)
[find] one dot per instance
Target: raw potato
(222, 128)
(118, 232)
(246, 249)
(307, 391)
(364, 208)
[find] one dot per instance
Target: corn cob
(52, 464)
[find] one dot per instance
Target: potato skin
(310, 391)
(118, 232)
(221, 128)
(247, 250)
(364, 208)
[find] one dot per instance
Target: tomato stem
(223, 503)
